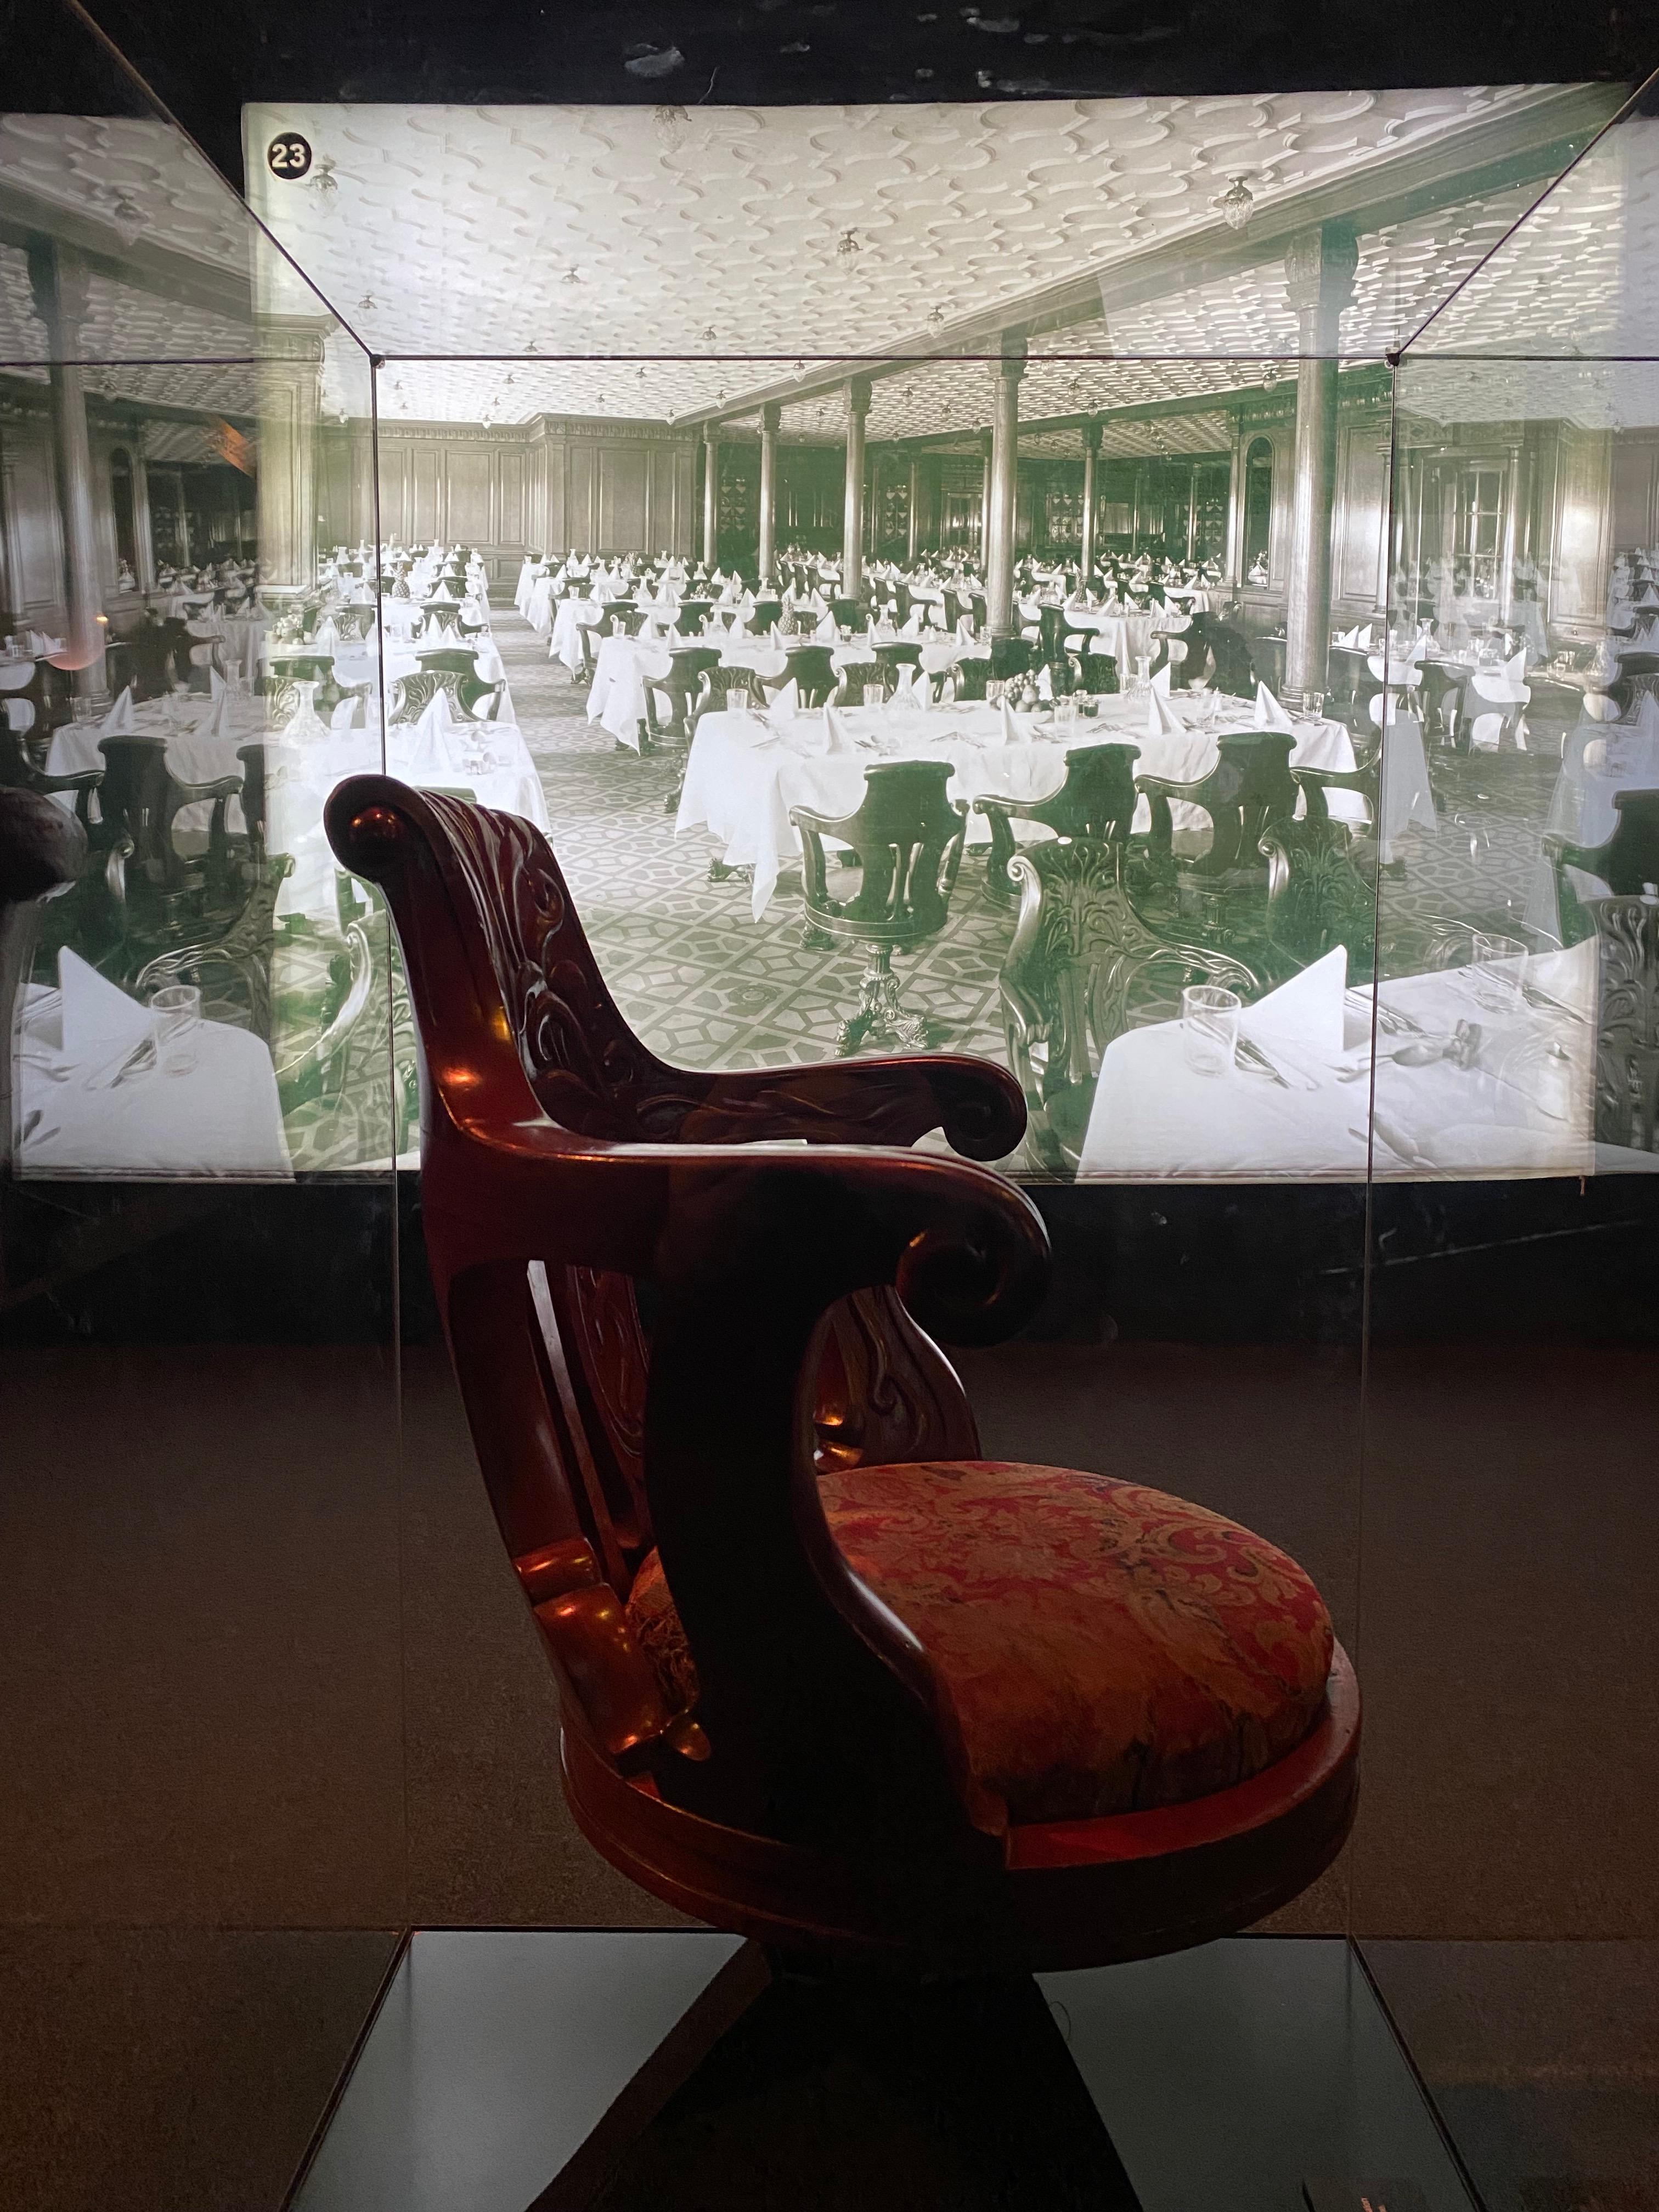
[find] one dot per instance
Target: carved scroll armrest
(1562, 851)
(1163, 788)
(191, 794)
(86, 779)
(869, 1101)
(842, 826)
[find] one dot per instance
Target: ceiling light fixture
(1235, 205)
(367, 304)
(1270, 374)
(571, 276)
(670, 121)
(849, 244)
(127, 217)
(323, 180)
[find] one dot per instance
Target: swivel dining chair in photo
(1083, 963)
(827, 1678)
(906, 841)
(1623, 865)
(1096, 800)
(1249, 788)
(970, 675)
(847, 614)
(141, 796)
(1097, 674)
(813, 672)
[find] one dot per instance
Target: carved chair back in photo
(749, 1728)
(1096, 800)
(1627, 1021)
(1627, 862)
(1081, 961)
(970, 676)
(813, 672)
(906, 838)
(141, 796)
(1098, 672)
(1249, 789)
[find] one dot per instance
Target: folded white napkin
(1303, 1018)
(835, 732)
(119, 722)
(1269, 714)
(1161, 681)
(344, 716)
(825, 632)
(1515, 669)
(965, 628)
(1014, 732)
(326, 636)
(913, 623)
(98, 1019)
(1348, 637)
(215, 723)
(1045, 683)
(1362, 637)
(787, 699)
(1162, 720)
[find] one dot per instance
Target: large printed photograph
(1158, 593)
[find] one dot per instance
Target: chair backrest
(459, 661)
(1012, 656)
(1317, 899)
(136, 797)
(847, 614)
(1052, 627)
(813, 672)
(1249, 788)
(908, 837)
(1099, 797)
(1081, 960)
(412, 695)
(970, 676)
(1098, 672)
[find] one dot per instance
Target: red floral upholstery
(1102, 1647)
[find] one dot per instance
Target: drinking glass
(177, 1008)
(1065, 714)
(875, 695)
(1209, 1028)
(736, 701)
(1500, 971)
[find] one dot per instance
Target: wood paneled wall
(558, 482)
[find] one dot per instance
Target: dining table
(747, 769)
(98, 1102)
(625, 667)
(1510, 1094)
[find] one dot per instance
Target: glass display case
(939, 582)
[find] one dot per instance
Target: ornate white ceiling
(85, 164)
(773, 232)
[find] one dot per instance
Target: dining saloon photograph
(1157, 595)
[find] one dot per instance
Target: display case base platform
(533, 2071)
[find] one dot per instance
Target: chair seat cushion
(1101, 1647)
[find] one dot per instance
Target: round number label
(289, 154)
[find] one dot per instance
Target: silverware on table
(1250, 1056)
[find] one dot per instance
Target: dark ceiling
(206, 57)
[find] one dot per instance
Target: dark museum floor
(269, 1697)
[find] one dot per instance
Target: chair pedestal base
(630, 2071)
(878, 1016)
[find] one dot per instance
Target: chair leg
(878, 1014)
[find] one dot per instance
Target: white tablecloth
(222, 1118)
(741, 786)
(490, 760)
(1154, 1116)
(746, 771)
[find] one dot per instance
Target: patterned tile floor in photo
(706, 986)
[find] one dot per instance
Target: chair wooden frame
(813, 1800)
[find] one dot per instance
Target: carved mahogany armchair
(827, 1678)
(1096, 799)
